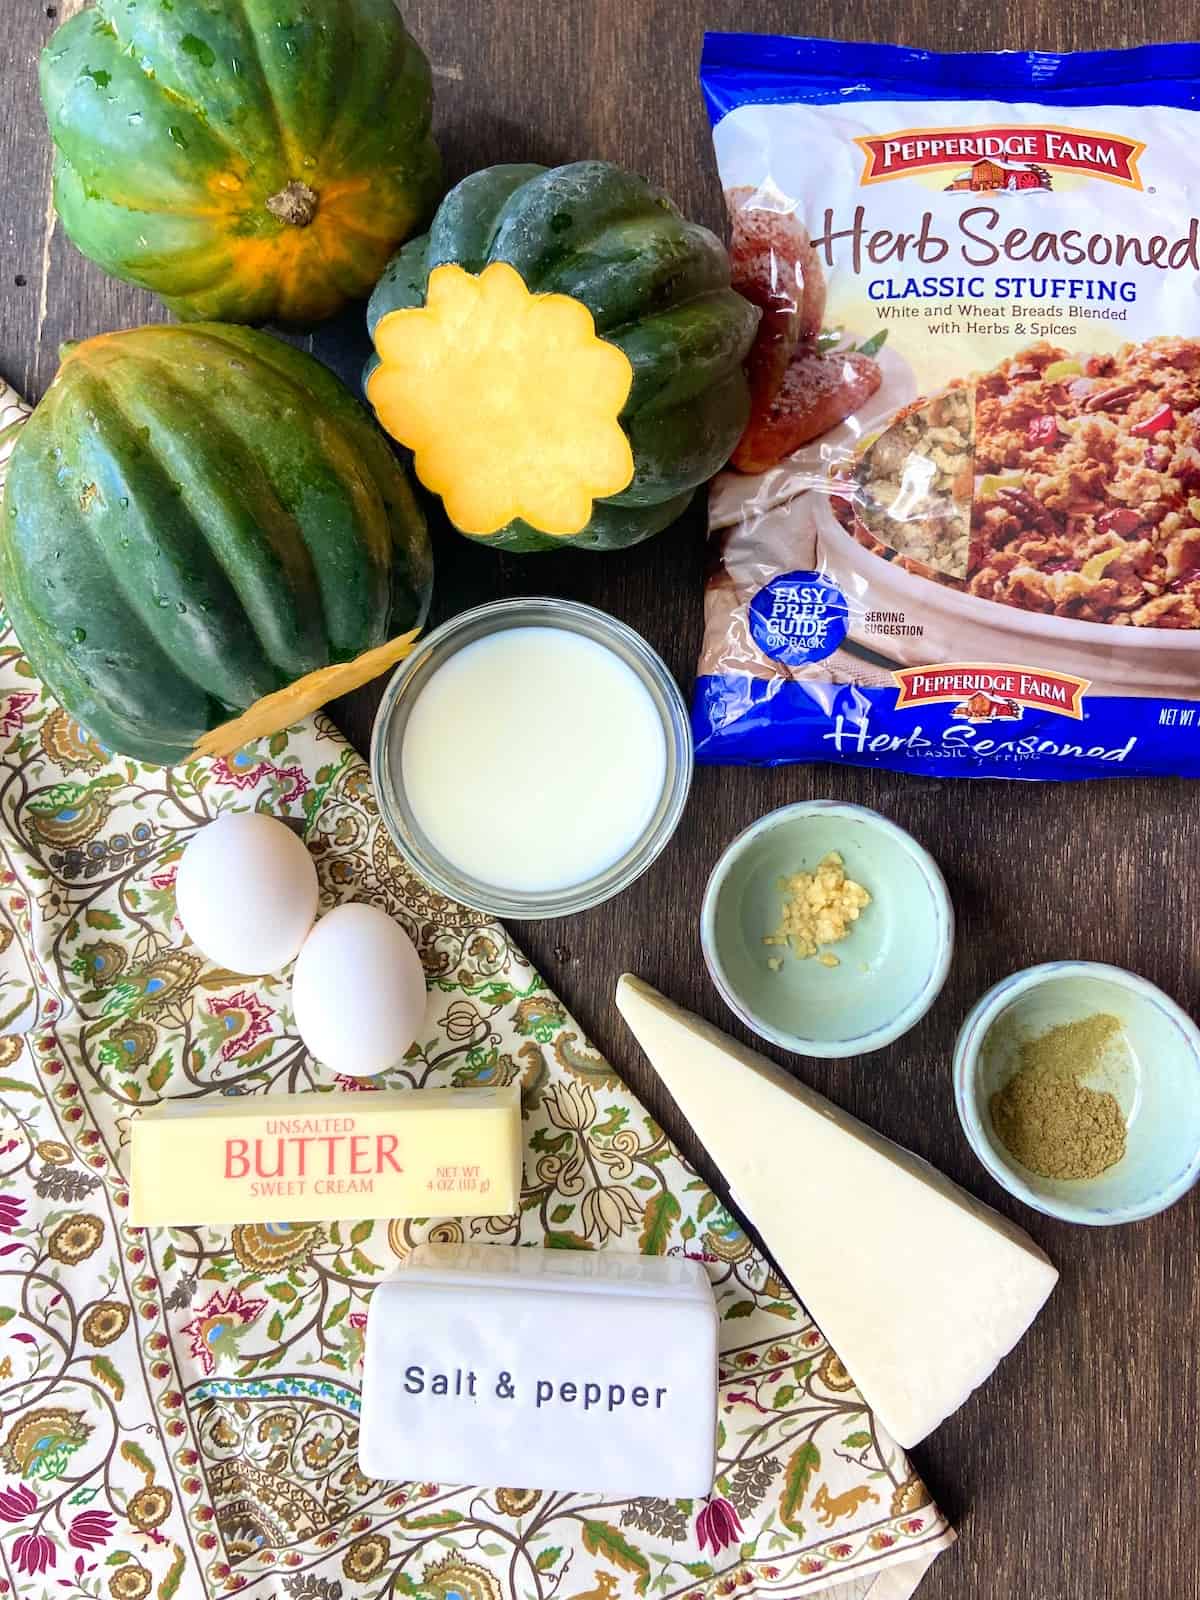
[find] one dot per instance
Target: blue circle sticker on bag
(799, 617)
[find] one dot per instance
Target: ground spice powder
(1047, 1117)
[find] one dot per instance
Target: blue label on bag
(738, 719)
(799, 617)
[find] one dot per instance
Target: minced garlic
(819, 910)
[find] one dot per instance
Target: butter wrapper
(322, 1157)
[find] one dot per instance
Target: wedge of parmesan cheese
(920, 1289)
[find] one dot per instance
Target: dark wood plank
(1071, 1475)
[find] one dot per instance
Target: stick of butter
(920, 1288)
(551, 1369)
(320, 1157)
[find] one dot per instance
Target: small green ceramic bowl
(891, 965)
(1154, 1074)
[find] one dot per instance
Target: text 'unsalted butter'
(320, 1157)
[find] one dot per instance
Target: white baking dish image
(957, 626)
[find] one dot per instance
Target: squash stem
(296, 204)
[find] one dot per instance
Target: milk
(533, 759)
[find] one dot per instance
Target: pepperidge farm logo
(1000, 159)
(985, 693)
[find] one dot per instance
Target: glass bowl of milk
(532, 757)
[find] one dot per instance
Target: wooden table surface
(1071, 1476)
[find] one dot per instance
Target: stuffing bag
(961, 533)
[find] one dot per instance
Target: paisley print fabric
(179, 1408)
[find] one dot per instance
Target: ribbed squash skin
(657, 287)
(196, 517)
(177, 121)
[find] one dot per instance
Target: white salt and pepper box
(549, 1369)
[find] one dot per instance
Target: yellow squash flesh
(509, 401)
(286, 707)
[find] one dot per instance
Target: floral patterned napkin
(179, 1409)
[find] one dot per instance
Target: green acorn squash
(244, 161)
(201, 524)
(563, 353)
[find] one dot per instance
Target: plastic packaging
(961, 535)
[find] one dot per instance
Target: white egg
(246, 892)
(358, 991)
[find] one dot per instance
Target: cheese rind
(553, 1369)
(921, 1289)
(318, 1157)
